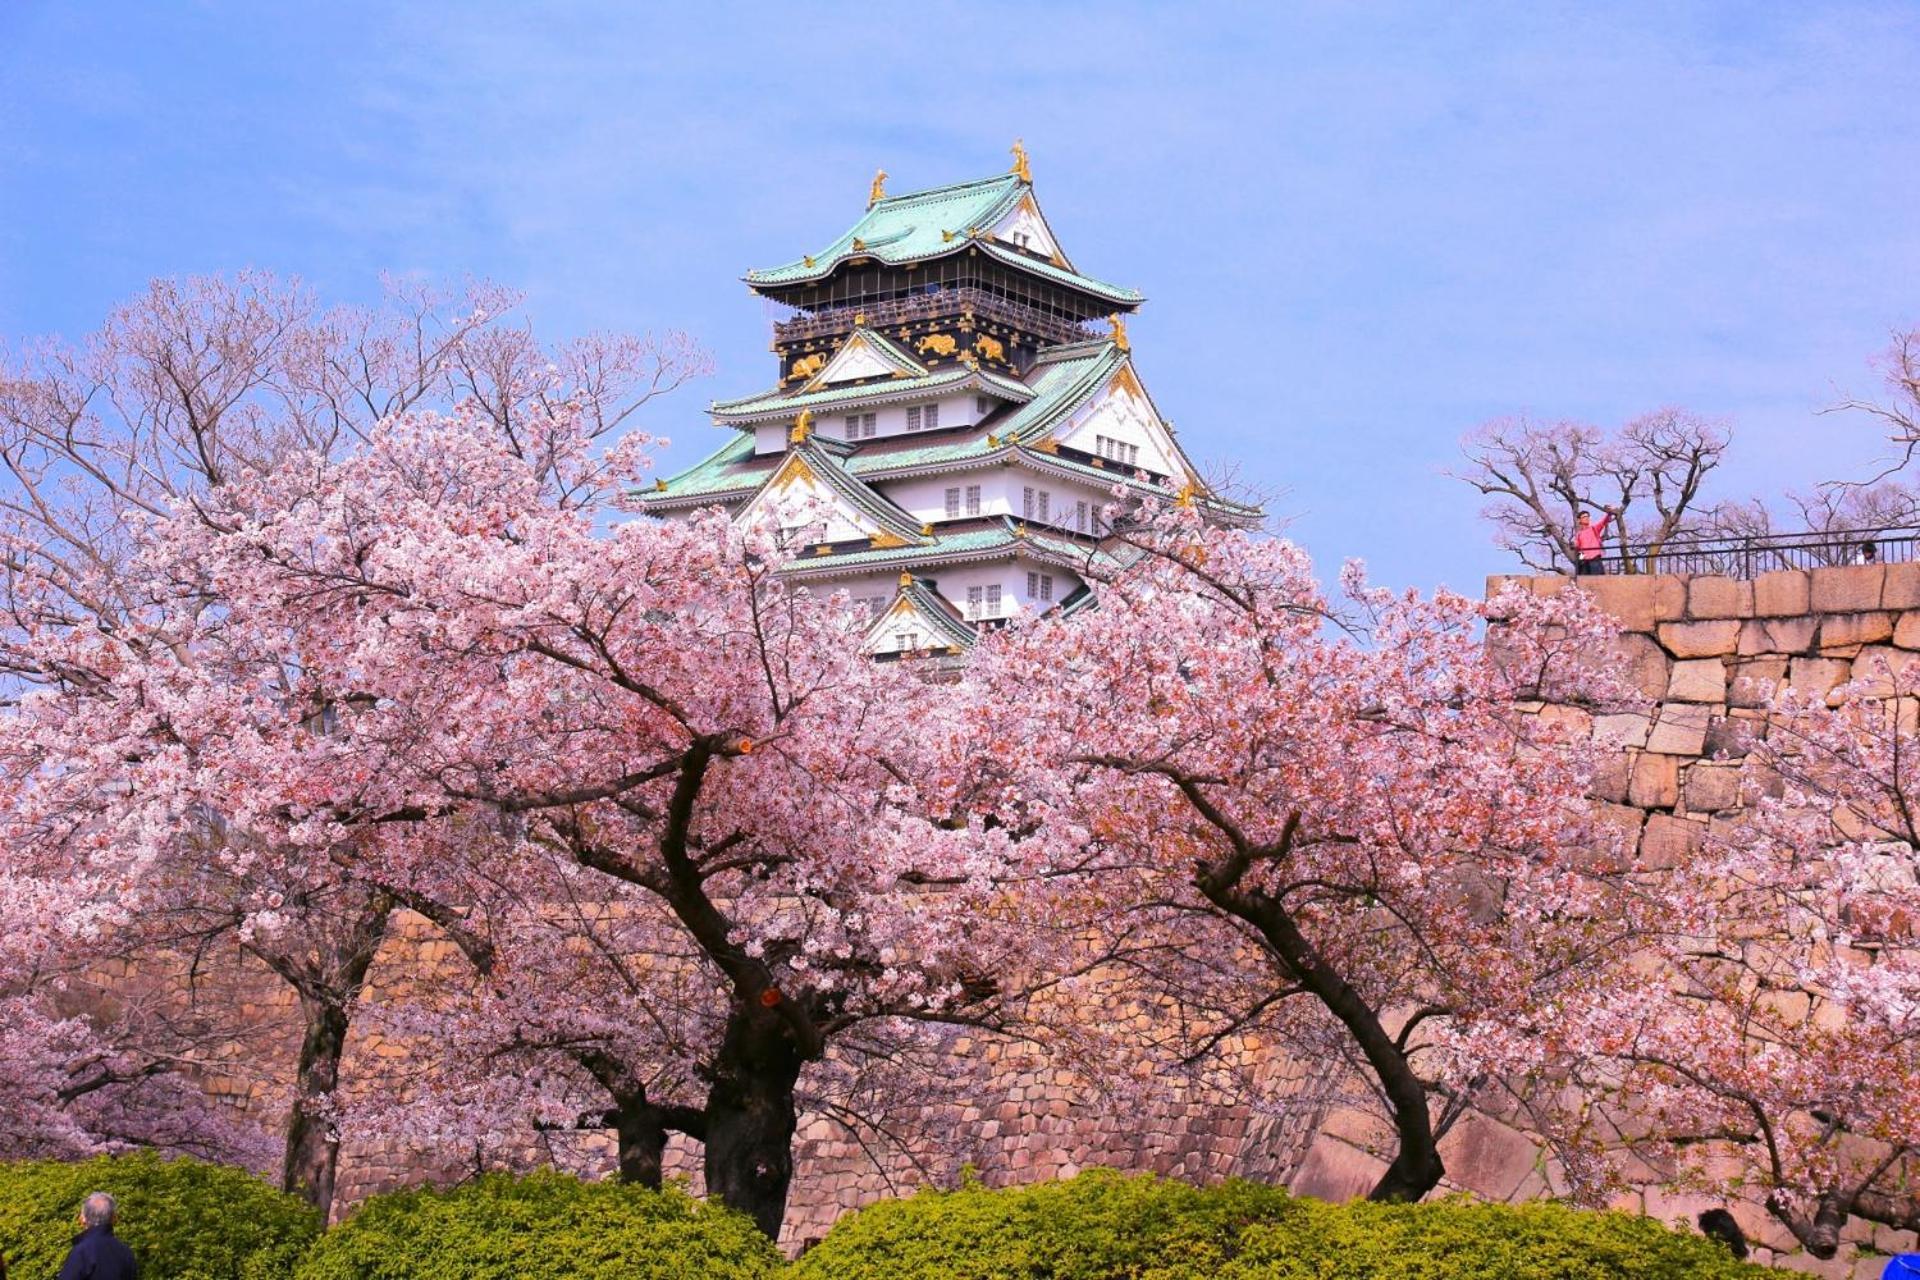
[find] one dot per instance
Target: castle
(948, 435)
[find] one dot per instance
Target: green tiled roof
(922, 225)
(778, 403)
(939, 611)
(963, 542)
(855, 494)
(1061, 275)
(732, 469)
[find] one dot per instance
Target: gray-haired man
(96, 1254)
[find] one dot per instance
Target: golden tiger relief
(941, 344)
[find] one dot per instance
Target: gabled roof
(808, 461)
(866, 354)
(933, 610)
(777, 403)
(923, 225)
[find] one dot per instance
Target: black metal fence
(1748, 556)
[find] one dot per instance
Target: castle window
(913, 417)
(993, 600)
(983, 405)
(975, 597)
(953, 503)
(1117, 450)
(1080, 516)
(861, 426)
(930, 416)
(973, 499)
(1040, 587)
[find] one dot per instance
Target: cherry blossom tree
(1359, 849)
(1778, 1057)
(373, 656)
(189, 388)
(1536, 477)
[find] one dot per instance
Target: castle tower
(957, 405)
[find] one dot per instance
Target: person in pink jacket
(1588, 542)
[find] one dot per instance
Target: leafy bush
(183, 1219)
(1104, 1226)
(501, 1227)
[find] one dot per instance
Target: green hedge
(1105, 1226)
(184, 1220)
(191, 1221)
(546, 1224)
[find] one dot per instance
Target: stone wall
(1707, 651)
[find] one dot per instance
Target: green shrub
(545, 1224)
(183, 1219)
(1104, 1226)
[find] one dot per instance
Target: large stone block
(1782, 635)
(1622, 821)
(1611, 773)
(1700, 639)
(1848, 588)
(1624, 729)
(1784, 593)
(1335, 1171)
(1710, 788)
(1751, 681)
(1639, 601)
(1680, 729)
(1817, 676)
(1646, 663)
(1671, 842)
(1698, 680)
(1655, 781)
(1710, 596)
(1883, 671)
(1906, 632)
(1486, 1157)
(1901, 589)
(1844, 630)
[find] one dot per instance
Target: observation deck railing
(1748, 556)
(922, 306)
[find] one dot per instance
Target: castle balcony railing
(1750, 555)
(985, 305)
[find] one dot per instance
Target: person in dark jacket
(96, 1254)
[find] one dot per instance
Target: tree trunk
(751, 1118)
(1417, 1167)
(641, 1137)
(313, 1152)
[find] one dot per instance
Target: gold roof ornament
(859, 245)
(807, 258)
(906, 579)
(1119, 323)
(946, 237)
(860, 319)
(878, 191)
(1021, 169)
(802, 427)
(659, 485)
(926, 528)
(1187, 493)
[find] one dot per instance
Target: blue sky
(1362, 227)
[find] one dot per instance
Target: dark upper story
(969, 271)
